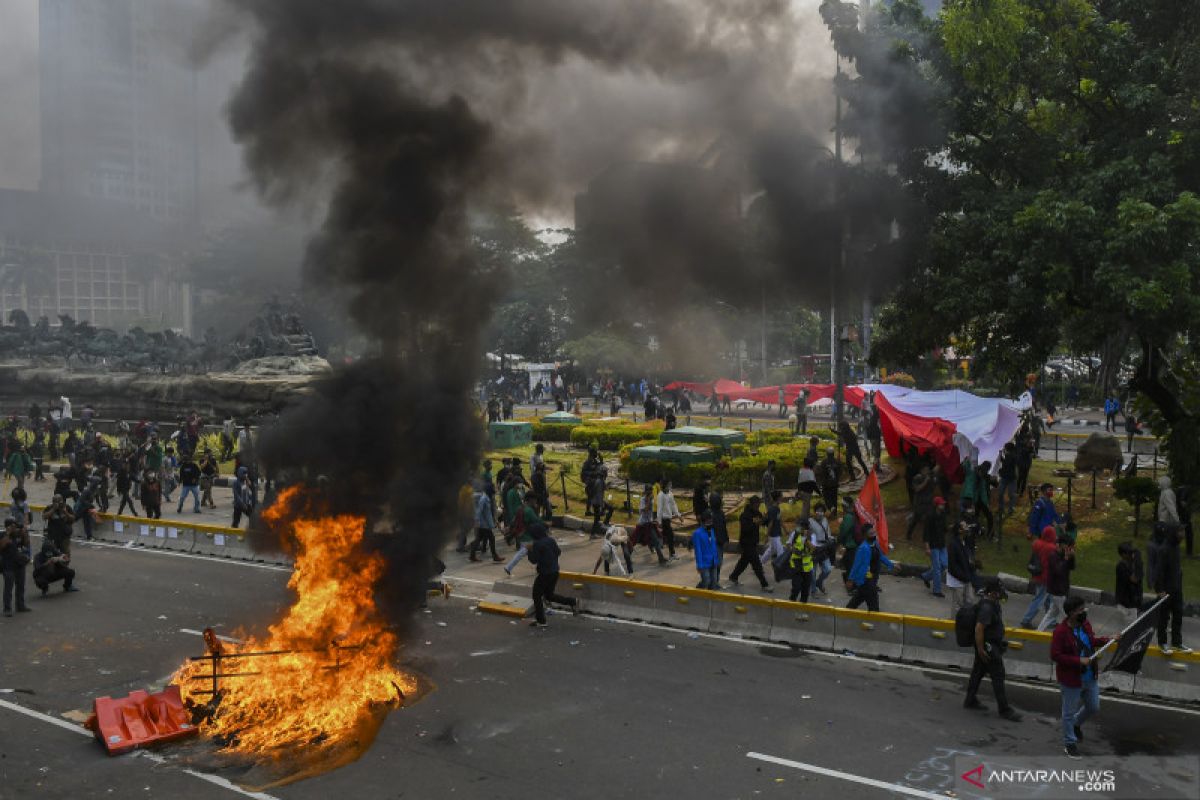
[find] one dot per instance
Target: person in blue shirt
(1111, 406)
(704, 547)
(864, 574)
(1043, 514)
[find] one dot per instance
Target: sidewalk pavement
(898, 595)
(40, 493)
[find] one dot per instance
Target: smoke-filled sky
(595, 116)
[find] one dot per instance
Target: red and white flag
(869, 509)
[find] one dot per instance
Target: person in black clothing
(1007, 473)
(989, 651)
(960, 570)
(124, 486)
(750, 521)
(1128, 590)
(14, 556)
(1167, 580)
(1024, 456)
(189, 480)
(1131, 429)
(543, 553)
(541, 491)
(715, 505)
(598, 502)
(52, 565)
(853, 452)
(700, 499)
(874, 435)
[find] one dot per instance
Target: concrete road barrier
(802, 624)
(683, 607)
(868, 634)
(931, 641)
(1028, 654)
(741, 616)
(1176, 677)
(627, 599)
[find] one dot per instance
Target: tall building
(118, 105)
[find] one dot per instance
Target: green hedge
(552, 432)
(615, 436)
(739, 473)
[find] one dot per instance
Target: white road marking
(847, 776)
(213, 779)
(177, 554)
(229, 639)
(1108, 698)
(62, 723)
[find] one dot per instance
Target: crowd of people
(137, 474)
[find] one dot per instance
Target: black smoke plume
(400, 120)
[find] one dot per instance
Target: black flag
(1135, 641)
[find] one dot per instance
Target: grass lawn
(1100, 530)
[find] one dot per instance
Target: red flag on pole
(869, 509)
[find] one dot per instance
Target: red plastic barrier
(139, 720)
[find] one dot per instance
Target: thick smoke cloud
(409, 116)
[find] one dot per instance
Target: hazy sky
(19, 151)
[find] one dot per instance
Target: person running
(1040, 557)
(1073, 650)
(749, 523)
(989, 651)
(543, 554)
(613, 550)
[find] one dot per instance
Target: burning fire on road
(317, 686)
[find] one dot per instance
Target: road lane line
(847, 776)
(1108, 698)
(70, 726)
(62, 723)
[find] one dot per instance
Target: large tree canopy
(1069, 205)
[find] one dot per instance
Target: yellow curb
(502, 609)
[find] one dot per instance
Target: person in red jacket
(1072, 649)
(1042, 548)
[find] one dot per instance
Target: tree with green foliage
(1067, 205)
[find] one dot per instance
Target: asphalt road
(587, 708)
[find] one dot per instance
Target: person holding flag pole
(1075, 650)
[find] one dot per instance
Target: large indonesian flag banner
(869, 508)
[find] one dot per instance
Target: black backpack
(964, 625)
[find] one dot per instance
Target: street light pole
(839, 262)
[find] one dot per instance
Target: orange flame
(336, 669)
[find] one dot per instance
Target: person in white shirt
(668, 512)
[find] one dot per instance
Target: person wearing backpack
(989, 646)
(1038, 557)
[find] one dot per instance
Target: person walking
(935, 547)
(1039, 556)
(863, 581)
(852, 450)
(801, 563)
(668, 512)
(1131, 430)
(19, 465)
(874, 436)
(824, 546)
(768, 481)
(989, 652)
(1007, 472)
(151, 495)
(485, 523)
(1073, 650)
(14, 558)
(598, 502)
(243, 497)
(704, 548)
(189, 481)
(543, 554)
(960, 570)
(829, 473)
(1111, 406)
(716, 505)
(1043, 513)
(802, 412)
(1167, 582)
(922, 501)
(748, 531)
(210, 470)
(124, 487)
(806, 486)
(1058, 580)
(774, 523)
